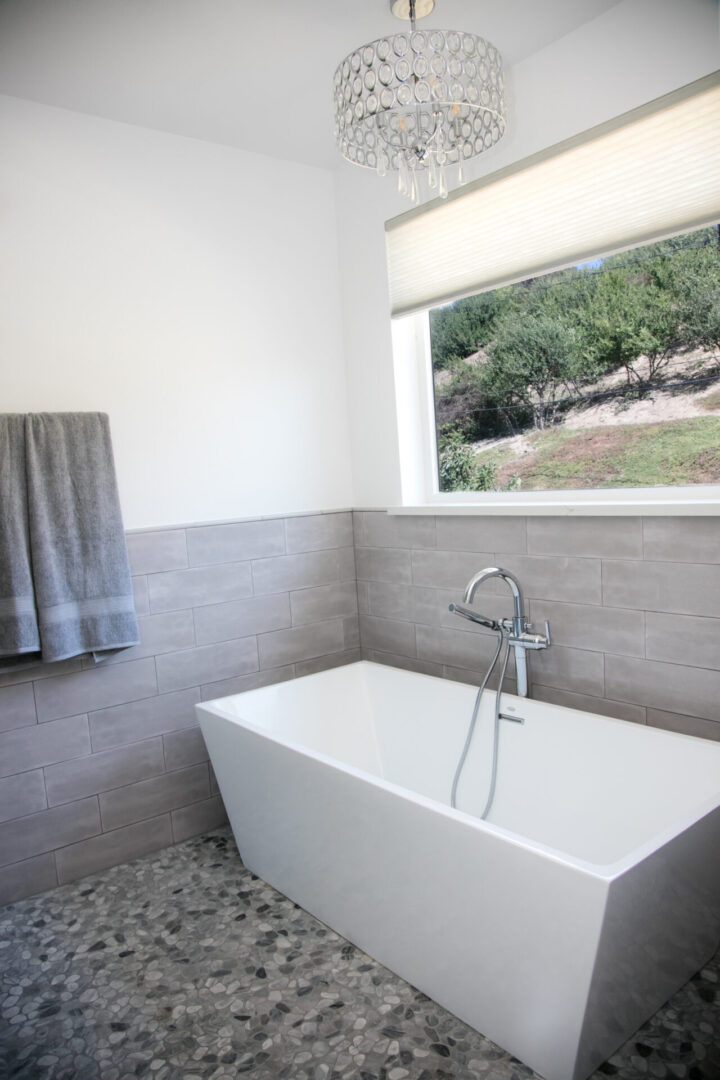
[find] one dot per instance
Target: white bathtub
(555, 928)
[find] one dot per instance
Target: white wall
(189, 290)
(636, 51)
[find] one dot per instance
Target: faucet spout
(519, 622)
(510, 581)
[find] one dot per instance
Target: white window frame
(419, 469)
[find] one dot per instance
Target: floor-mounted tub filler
(556, 926)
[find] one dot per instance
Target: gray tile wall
(100, 764)
(633, 605)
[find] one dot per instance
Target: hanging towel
(19, 638)
(83, 588)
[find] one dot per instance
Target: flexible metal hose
(496, 736)
(473, 721)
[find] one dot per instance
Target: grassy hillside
(634, 455)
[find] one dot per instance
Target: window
(579, 285)
(603, 375)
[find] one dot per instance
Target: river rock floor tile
(184, 966)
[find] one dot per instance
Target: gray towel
(19, 638)
(83, 588)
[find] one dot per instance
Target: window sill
(680, 502)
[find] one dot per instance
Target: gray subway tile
(27, 878)
(183, 748)
(568, 669)
(199, 585)
(22, 794)
(405, 663)
(388, 601)
(112, 848)
(686, 725)
(335, 601)
(576, 580)
(432, 606)
(97, 688)
(300, 643)
(148, 798)
(473, 533)
(447, 569)
(657, 586)
(325, 663)
(422, 604)
(49, 829)
(351, 632)
(683, 639)
(43, 744)
(619, 710)
(34, 672)
(317, 531)
(199, 818)
(288, 572)
(140, 595)
(206, 663)
(669, 687)
(153, 552)
(241, 618)
(383, 564)
(363, 597)
(102, 771)
(124, 724)
(241, 683)
(598, 537)
(166, 632)
(475, 676)
(214, 786)
(387, 635)
(379, 529)
(235, 542)
(590, 626)
(456, 648)
(346, 564)
(17, 706)
(682, 539)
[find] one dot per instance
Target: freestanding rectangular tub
(557, 926)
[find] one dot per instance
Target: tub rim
(606, 872)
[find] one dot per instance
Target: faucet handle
(547, 632)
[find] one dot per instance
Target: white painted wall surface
(637, 51)
(188, 289)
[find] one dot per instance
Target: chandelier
(422, 102)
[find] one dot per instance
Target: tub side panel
(500, 935)
(662, 923)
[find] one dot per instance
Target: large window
(556, 324)
(602, 375)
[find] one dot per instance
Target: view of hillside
(602, 375)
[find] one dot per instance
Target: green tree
(534, 362)
(458, 330)
(631, 316)
(692, 279)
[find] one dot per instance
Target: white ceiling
(252, 75)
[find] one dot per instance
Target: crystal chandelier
(422, 102)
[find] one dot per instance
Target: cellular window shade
(646, 175)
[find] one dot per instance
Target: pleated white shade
(649, 174)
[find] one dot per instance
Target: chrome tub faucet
(518, 630)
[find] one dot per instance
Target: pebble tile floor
(184, 966)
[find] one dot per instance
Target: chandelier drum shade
(419, 100)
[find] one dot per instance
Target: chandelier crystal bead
(419, 100)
